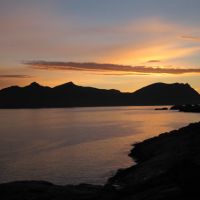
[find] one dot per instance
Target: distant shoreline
(71, 95)
(9, 108)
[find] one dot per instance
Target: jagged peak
(34, 84)
(68, 84)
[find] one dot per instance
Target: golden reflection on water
(77, 145)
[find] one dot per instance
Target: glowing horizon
(159, 40)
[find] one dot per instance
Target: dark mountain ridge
(72, 95)
(162, 93)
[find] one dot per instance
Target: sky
(106, 44)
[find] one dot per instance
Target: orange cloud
(160, 50)
(15, 76)
(42, 34)
(153, 61)
(190, 37)
(66, 66)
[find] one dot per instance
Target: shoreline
(167, 167)
(187, 108)
(70, 107)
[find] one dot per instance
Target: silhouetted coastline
(72, 95)
(163, 108)
(168, 167)
(187, 108)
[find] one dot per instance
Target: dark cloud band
(190, 37)
(154, 61)
(46, 65)
(15, 76)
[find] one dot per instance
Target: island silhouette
(72, 95)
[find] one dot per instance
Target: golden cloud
(15, 76)
(99, 67)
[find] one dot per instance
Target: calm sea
(70, 146)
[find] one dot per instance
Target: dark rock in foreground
(28, 190)
(168, 168)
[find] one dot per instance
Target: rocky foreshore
(168, 168)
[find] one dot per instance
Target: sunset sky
(102, 43)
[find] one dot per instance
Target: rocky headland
(187, 108)
(168, 168)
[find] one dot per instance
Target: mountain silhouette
(72, 95)
(165, 94)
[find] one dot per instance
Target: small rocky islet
(187, 108)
